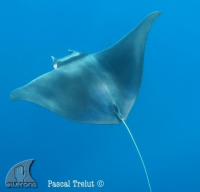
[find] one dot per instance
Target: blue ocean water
(164, 120)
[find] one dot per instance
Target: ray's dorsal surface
(98, 88)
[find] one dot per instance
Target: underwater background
(164, 120)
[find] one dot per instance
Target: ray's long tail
(138, 154)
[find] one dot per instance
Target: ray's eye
(55, 66)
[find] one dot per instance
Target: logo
(19, 175)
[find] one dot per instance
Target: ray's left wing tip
(12, 95)
(15, 95)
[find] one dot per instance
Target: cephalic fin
(71, 51)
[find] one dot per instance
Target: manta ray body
(98, 88)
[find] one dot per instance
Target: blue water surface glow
(164, 120)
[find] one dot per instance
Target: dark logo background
(19, 175)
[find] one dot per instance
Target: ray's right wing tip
(154, 15)
(157, 12)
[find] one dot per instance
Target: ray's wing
(48, 90)
(67, 91)
(124, 60)
(59, 91)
